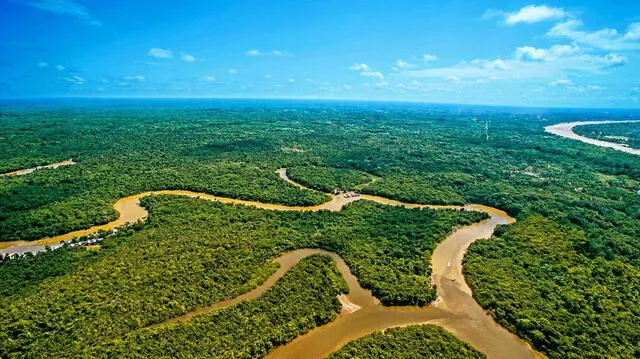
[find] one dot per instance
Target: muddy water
(566, 130)
(129, 210)
(30, 170)
(454, 310)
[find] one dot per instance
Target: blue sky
(566, 54)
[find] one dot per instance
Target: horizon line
(302, 98)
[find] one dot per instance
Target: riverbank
(566, 130)
(27, 171)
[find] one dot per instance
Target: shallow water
(455, 309)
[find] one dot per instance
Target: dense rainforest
(192, 253)
(411, 152)
(330, 180)
(535, 281)
(417, 341)
(623, 133)
(303, 299)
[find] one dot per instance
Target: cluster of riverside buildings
(21, 251)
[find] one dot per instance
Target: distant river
(566, 130)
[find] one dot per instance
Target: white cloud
(233, 71)
(613, 60)
(563, 50)
(256, 52)
(65, 7)
(188, 58)
(552, 53)
(267, 76)
(539, 89)
(75, 79)
(534, 13)
(492, 13)
(530, 52)
(208, 78)
(404, 65)
(160, 53)
(346, 87)
(429, 58)
(359, 67)
(137, 78)
(607, 39)
(42, 64)
(563, 82)
(521, 69)
(366, 71)
(60, 68)
(566, 29)
(497, 64)
(633, 32)
(292, 80)
(585, 89)
(376, 74)
(452, 78)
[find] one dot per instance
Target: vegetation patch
(303, 299)
(623, 133)
(418, 341)
(19, 276)
(425, 189)
(328, 179)
(534, 280)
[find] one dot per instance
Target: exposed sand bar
(455, 309)
(566, 130)
(31, 170)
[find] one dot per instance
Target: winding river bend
(455, 309)
(566, 130)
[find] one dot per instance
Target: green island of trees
(416, 341)
(329, 179)
(301, 300)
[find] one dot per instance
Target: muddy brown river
(455, 309)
